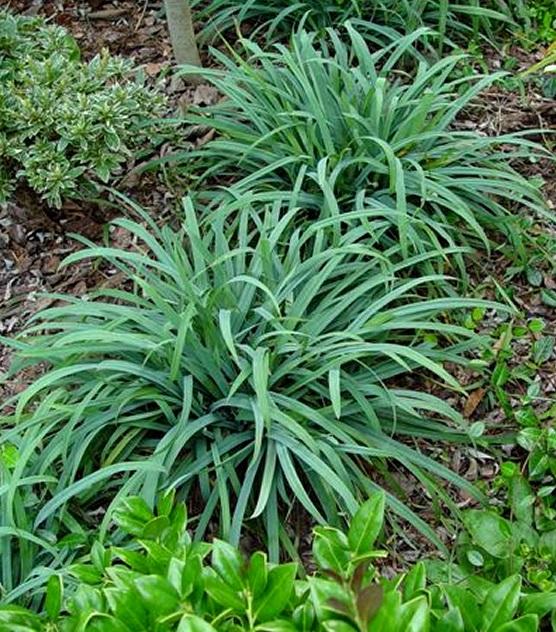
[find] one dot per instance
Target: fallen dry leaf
(474, 399)
(152, 69)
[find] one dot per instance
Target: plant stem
(182, 35)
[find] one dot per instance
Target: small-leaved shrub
(162, 581)
(65, 124)
(346, 128)
(248, 364)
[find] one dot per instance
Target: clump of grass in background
(65, 124)
(276, 17)
(344, 126)
(249, 365)
(454, 22)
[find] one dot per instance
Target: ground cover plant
(541, 21)
(347, 127)
(517, 534)
(166, 582)
(249, 364)
(66, 124)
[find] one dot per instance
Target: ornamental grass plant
(250, 363)
(453, 22)
(346, 128)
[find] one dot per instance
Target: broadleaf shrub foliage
(249, 362)
(166, 582)
(341, 125)
(65, 124)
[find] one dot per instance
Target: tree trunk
(182, 35)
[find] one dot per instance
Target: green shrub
(453, 21)
(248, 364)
(163, 582)
(347, 129)
(65, 124)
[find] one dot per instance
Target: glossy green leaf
(415, 582)
(501, 604)
(158, 594)
(366, 525)
(277, 594)
(223, 594)
(451, 621)
(331, 549)
(527, 623)
(257, 573)
(192, 623)
(490, 531)
(227, 562)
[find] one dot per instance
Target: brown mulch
(500, 111)
(32, 246)
(131, 28)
